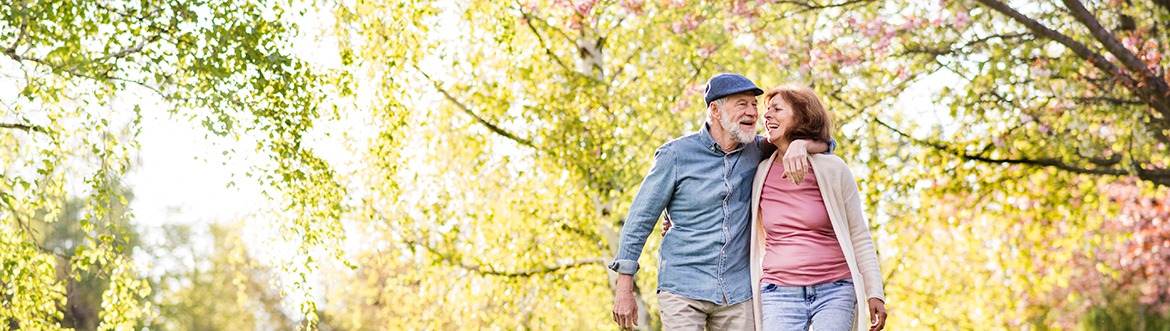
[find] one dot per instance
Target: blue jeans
(825, 307)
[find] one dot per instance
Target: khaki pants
(684, 314)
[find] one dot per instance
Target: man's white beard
(732, 127)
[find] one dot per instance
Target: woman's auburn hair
(810, 120)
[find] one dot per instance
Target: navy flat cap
(722, 85)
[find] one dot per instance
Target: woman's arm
(864, 252)
(863, 248)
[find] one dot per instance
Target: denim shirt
(706, 194)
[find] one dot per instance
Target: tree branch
(1108, 100)
(73, 71)
(1081, 50)
(11, 50)
(23, 127)
(815, 6)
(26, 230)
(1158, 91)
(129, 50)
(489, 270)
(1165, 4)
(950, 49)
(1160, 177)
(534, 271)
(491, 126)
(528, 17)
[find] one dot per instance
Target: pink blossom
(962, 19)
(784, 61)
(584, 8)
(816, 54)
(911, 22)
(689, 23)
(730, 27)
(1039, 72)
(574, 23)
(694, 21)
(1130, 42)
(871, 29)
(1152, 56)
(741, 8)
(882, 43)
(633, 6)
(706, 51)
(681, 106)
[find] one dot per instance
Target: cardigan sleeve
(863, 248)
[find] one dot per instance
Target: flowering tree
(994, 130)
(981, 130)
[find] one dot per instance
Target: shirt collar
(709, 141)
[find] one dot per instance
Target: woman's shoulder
(830, 164)
(828, 160)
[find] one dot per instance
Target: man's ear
(713, 112)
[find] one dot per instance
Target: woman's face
(777, 118)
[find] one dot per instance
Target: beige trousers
(685, 314)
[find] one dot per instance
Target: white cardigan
(843, 202)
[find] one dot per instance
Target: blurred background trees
(468, 165)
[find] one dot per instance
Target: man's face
(738, 117)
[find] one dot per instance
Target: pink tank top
(802, 248)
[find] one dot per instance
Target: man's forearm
(815, 146)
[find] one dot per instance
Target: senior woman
(813, 260)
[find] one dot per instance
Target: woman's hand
(877, 314)
(796, 161)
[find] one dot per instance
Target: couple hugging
(762, 234)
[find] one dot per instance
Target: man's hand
(796, 161)
(877, 314)
(625, 309)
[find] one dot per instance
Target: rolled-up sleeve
(654, 195)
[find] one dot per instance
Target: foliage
(69, 127)
(999, 180)
(214, 286)
(1003, 147)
